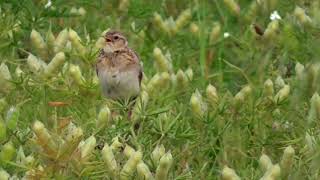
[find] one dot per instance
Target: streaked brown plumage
(118, 68)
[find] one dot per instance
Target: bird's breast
(116, 84)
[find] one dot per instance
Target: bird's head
(115, 41)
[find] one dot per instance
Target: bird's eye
(116, 37)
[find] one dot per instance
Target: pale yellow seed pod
(171, 25)
(130, 166)
(18, 72)
(76, 74)
(61, 41)
(100, 43)
(241, 96)
(314, 112)
(252, 12)
(4, 175)
(279, 83)
(215, 32)
(38, 43)
(183, 18)
(20, 156)
(212, 95)
(110, 161)
(268, 88)
(173, 78)
(36, 65)
(299, 68)
(104, 117)
(161, 62)
(82, 11)
(44, 138)
(265, 163)
(116, 144)
(287, 160)
(198, 107)
(123, 5)
(57, 61)
(153, 83)
(282, 94)
(7, 152)
(158, 21)
(194, 29)
(229, 174)
(272, 174)
(310, 143)
(76, 42)
(164, 167)
(29, 161)
(233, 6)
(157, 153)
(5, 78)
(143, 172)
(301, 16)
(71, 143)
(164, 80)
(128, 151)
(141, 103)
(88, 147)
(271, 31)
(189, 74)
(182, 79)
(74, 11)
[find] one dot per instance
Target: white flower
(226, 35)
(275, 16)
(49, 3)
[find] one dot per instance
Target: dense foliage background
(229, 90)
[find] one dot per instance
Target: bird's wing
(130, 60)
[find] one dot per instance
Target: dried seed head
(215, 32)
(279, 83)
(61, 41)
(233, 6)
(5, 78)
(76, 42)
(7, 152)
(128, 151)
(183, 18)
(144, 172)
(282, 94)
(314, 111)
(104, 117)
(157, 153)
(130, 166)
(161, 62)
(57, 61)
(76, 74)
(265, 163)
(164, 166)
(229, 174)
(198, 106)
(212, 95)
(194, 29)
(109, 159)
(181, 79)
(88, 147)
(301, 16)
(287, 160)
(299, 68)
(268, 88)
(36, 65)
(39, 44)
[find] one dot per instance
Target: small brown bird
(118, 68)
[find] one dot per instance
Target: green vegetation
(230, 90)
